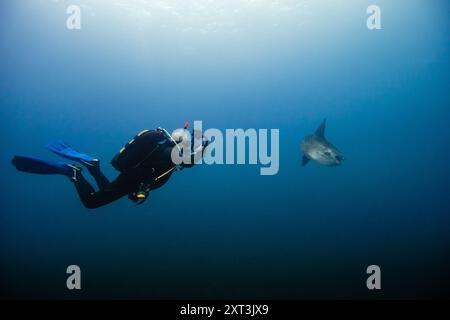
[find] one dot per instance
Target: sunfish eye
(327, 153)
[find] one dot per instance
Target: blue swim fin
(64, 150)
(39, 166)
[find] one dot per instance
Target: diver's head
(181, 136)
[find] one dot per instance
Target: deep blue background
(225, 231)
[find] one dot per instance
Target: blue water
(225, 231)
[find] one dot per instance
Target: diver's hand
(200, 148)
(205, 142)
(197, 135)
(196, 149)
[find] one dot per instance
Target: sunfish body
(316, 147)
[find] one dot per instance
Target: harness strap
(165, 173)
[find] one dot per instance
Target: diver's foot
(94, 163)
(76, 172)
(93, 166)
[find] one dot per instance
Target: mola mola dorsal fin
(320, 132)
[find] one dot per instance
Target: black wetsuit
(154, 172)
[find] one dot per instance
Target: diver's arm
(196, 155)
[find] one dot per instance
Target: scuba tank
(139, 149)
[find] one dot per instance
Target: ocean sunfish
(316, 147)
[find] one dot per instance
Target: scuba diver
(145, 163)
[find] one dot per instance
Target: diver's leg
(92, 199)
(92, 164)
(102, 181)
(84, 188)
